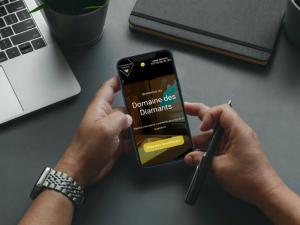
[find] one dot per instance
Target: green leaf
(38, 8)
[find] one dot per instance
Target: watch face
(39, 184)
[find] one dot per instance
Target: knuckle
(118, 117)
(202, 109)
(122, 117)
(201, 105)
(210, 114)
(106, 107)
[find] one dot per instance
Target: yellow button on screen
(163, 144)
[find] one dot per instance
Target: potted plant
(75, 23)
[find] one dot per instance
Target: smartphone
(153, 98)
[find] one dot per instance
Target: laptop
(33, 72)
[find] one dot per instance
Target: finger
(193, 158)
(107, 90)
(117, 122)
(196, 109)
(125, 134)
(224, 114)
(202, 140)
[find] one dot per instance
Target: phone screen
(153, 98)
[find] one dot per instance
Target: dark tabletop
(266, 97)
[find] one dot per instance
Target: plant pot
(77, 31)
(292, 22)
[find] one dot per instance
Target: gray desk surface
(267, 98)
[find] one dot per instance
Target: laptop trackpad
(9, 103)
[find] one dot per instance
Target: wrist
(271, 186)
(74, 169)
(272, 196)
(281, 205)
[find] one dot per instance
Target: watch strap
(62, 183)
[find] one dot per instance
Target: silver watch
(60, 182)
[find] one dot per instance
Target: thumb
(193, 158)
(117, 122)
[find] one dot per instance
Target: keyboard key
(26, 36)
(3, 57)
(25, 25)
(13, 52)
(38, 43)
(10, 19)
(6, 32)
(5, 43)
(3, 11)
(25, 48)
(23, 15)
(2, 24)
(15, 6)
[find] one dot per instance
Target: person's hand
(241, 167)
(95, 146)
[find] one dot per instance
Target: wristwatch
(60, 182)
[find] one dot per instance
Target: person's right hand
(241, 166)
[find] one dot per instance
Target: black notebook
(244, 29)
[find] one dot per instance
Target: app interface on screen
(152, 95)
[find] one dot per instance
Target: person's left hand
(95, 146)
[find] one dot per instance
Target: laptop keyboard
(18, 31)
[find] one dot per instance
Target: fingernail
(129, 120)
